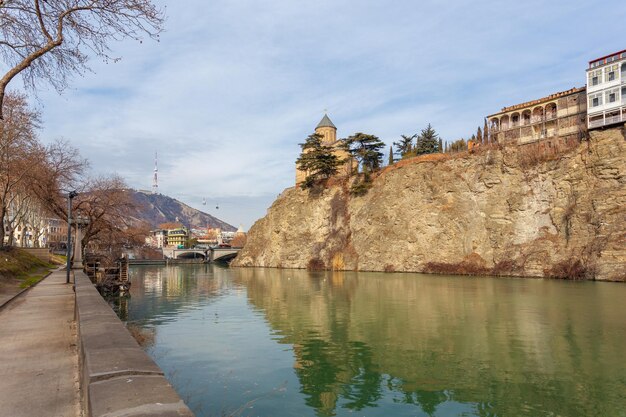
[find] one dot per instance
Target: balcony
(608, 120)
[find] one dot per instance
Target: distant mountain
(158, 208)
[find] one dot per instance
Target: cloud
(233, 86)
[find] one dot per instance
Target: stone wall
(498, 211)
(117, 376)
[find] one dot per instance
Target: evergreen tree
(390, 156)
(446, 148)
(366, 150)
(427, 141)
(317, 160)
(440, 147)
(486, 133)
(458, 145)
(404, 147)
(473, 139)
(479, 135)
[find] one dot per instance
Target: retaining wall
(117, 377)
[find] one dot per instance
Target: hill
(158, 208)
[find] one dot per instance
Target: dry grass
(572, 269)
(338, 263)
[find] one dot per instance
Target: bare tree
(50, 40)
(19, 151)
(109, 210)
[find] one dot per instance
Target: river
(269, 342)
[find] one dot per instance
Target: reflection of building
(557, 121)
(328, 131)
(606, 90)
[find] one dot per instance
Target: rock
(487, 213)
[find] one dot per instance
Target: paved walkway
(38, 354)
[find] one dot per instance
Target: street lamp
(70, 196)
(80, 222)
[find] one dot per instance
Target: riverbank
(19, 270)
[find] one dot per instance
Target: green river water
(268, 342)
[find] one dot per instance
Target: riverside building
(553, 122)
(606, 90)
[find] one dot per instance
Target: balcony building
(606, 90)
(554, 122)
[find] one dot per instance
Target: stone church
(328, 131)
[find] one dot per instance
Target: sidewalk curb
(23, 290)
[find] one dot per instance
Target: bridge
(207, 255)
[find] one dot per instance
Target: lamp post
(70, 196)
(80, 222)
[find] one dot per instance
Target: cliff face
(502, 212)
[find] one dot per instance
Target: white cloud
(234, 85)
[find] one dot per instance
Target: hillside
(496, 212)
(158, 208)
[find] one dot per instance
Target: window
(612, 95)
(595, 100)
(595, 77)
(609, 72)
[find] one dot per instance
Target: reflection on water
(272, 342)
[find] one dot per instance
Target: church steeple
(325, 122)
(327, 130)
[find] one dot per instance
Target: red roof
(606, 56)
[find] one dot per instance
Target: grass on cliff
(21, 269)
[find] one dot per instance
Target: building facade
(606, 90)
(328, 131)
(554, 122)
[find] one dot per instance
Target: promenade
(38, 354)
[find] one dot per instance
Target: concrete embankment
(117, 376)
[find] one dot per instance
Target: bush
(316, 264)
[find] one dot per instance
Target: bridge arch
(191, 254)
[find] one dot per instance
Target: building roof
(539, 101)
(606, 56)
(325, 122)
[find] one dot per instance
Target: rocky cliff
(499, 211)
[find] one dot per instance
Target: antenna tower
(155, 179)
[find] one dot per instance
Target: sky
(233, 86)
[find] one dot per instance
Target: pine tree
(390, 156)
(479, 135)
(427, 141)
(317, 160)
(404, 147)
(440, 147)
(366, 150)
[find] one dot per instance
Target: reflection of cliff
(506, 347)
